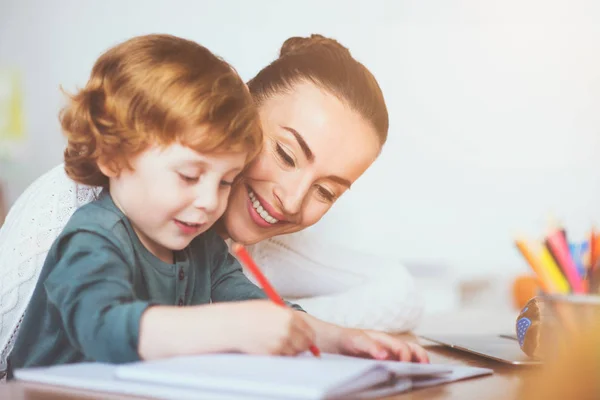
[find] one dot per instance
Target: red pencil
(241, 252)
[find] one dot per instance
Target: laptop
(502, 348)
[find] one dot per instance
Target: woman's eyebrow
(303, 145)
(310, 156)
(341, 181)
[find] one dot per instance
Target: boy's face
(173, 194)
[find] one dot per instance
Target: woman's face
(315, 148)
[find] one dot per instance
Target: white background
(494, 107)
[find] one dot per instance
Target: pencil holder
(548, 322)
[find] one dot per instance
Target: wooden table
(503, 384)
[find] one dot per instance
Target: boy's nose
(207, 199)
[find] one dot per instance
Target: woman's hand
(380, 346)
(332, 338)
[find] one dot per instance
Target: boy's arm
(90, 288)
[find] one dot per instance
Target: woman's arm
(340, 285)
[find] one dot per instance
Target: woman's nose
(291, 197)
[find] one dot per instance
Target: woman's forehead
(335, 134)
(316, 113)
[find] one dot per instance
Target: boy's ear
(108, 169)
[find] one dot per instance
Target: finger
(301, 335)
(291, 350)
(306, 332)
(418, 353)
(398, 349)
(300, 339)
(280, 348)
(402, 352)
(288, 346)
(288, 351)
(366, 346)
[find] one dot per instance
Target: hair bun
(297, 44)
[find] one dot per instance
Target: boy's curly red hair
(156, 89)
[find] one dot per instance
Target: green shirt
(98, 279)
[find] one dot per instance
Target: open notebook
(236, 376)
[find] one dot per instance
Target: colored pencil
(560, 281)
(560, 251)
(542, 271)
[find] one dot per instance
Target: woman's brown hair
(329, 65)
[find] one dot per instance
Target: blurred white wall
(494, 106)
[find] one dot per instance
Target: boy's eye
(284, 156)
(188, 179)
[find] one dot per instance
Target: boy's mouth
(188, 227)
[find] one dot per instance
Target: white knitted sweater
(334, 284)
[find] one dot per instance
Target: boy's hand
(253, 327)
(379, 345)
(262, 327)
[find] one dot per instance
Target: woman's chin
(245, 233)
(247, 238)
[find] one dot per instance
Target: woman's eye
(226, 183)
(285, 157)
(325, 194)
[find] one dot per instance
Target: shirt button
(181, 274)
(180, 302)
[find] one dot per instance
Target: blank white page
(299, 377)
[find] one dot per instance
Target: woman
(325, 122)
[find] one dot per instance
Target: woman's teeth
(260, 210)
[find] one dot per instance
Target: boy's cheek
(222, 207)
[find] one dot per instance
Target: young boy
(165, 127)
